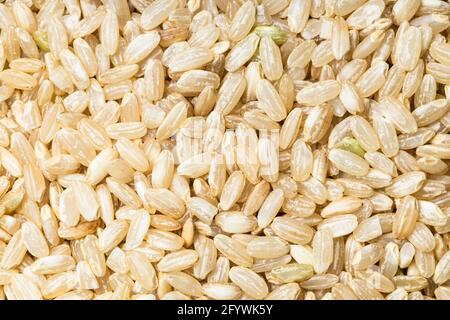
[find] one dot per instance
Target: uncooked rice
(225, 149)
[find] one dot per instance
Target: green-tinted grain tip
(40, 37)
(276, 33)
(352, 145)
